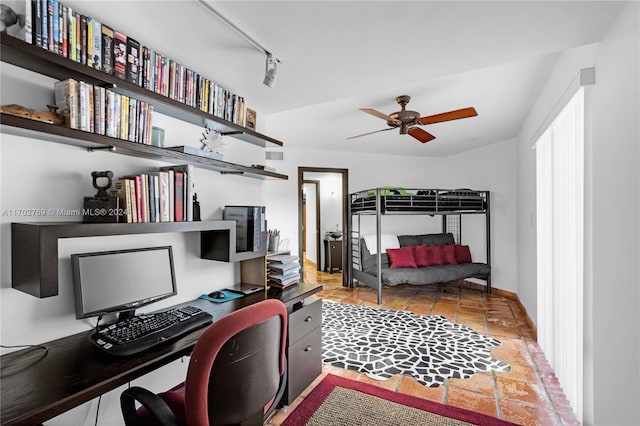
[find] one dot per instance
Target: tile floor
(528, 395)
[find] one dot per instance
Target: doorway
(311, 222)
(331, 192)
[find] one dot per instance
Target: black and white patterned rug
(384, 342)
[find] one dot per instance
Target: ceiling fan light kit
(408, 121)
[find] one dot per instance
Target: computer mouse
(217, 294)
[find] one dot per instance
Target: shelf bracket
(102, 148)
(238, 172)
(237, 132)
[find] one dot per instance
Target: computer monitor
(120, 281)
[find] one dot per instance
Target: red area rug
(338, 401)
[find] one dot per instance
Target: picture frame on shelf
(251, 119)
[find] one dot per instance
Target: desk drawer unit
(304, 349)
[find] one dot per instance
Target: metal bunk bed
(451, 204)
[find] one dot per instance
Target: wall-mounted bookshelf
(33, 58)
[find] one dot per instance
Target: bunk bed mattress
(434, 274)
(450, 201)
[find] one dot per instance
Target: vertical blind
(560, 250)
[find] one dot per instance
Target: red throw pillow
(401, 257)
(420, 256)
(448, 254)
(433, 256)
(463, 254)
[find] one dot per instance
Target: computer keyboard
(141, 332)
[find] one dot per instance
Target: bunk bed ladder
(356, 261)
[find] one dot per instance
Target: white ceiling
(338, 56)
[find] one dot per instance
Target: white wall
(311, 219)
(491, 168)
(612, 197)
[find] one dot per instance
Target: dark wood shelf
(34, 246)
(31, 57)
(19, 126)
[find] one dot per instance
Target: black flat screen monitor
(121, 280)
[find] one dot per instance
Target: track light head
(271, 71)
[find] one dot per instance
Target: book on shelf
(83, 39)
(119, 54)
(188, 189)
(66, 98)
(179, 196)
(162, 199)
(107, 49)
(122, 189)
(64, 25)
(86, 106)
(36, 22)
(71, 34)
(94, 43)
(124, 117)
(132, 60)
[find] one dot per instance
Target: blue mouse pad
(228, 295)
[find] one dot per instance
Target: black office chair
(236, 375)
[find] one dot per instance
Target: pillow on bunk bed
(448, 252)
(427, 256)
(387, 241)
(401, 257)
(463, 254)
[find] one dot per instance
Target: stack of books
(162, 196)
(283, 270)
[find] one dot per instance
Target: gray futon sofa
(422, 275)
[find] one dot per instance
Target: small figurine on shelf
(103, 207)
(212, 141)
(196, 207)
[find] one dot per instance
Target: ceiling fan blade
(420, 134)
(370, 133)
(447, 116)
(379, 114)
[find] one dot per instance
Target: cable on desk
(98, 410)
(34, 359)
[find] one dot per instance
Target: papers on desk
(283, 270)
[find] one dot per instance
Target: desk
(74, 371)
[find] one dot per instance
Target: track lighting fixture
(271, 70)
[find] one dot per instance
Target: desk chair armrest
(149, 400)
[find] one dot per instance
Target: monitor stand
(126, 315)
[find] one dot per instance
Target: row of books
(54, 26)
(283, 270)
(103, 111)
(162, 196)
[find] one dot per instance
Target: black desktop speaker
(251, 226)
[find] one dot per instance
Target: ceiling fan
(408, 121)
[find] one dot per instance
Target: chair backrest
(236, 365)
